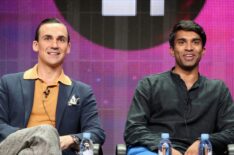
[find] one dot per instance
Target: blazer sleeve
(89, 118)
(5, 127)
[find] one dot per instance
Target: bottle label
(206, 150)
(86, 147)
(88, 152)
(164, 150)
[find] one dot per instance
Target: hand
(193, 149)
(66, 142)
(175, 152)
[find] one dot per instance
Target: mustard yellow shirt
(45, 98)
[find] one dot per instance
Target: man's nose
(54, 44)
(189, 46)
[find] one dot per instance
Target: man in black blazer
(43, 99)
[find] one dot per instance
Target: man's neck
(49, 74)
(189, 77)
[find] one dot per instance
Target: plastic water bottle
(205, 147)
(86, 145)
(164, 147)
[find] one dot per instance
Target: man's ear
(203, 51)
(172, 52)
(35, 46)
(69, 48)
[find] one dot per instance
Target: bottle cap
(204, 136)
(165, 135)
(86, 135)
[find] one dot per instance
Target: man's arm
(225, 121)
(89, 118)
(90, 121)
(5, 128)
(136, 129)
(67, 142)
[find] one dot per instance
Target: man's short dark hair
(48, 21)
(187, 25)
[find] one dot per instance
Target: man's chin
(55, 64)
(189, 67)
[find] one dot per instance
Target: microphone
(46, 92)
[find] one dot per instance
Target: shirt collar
(32, 74)
(176, 77)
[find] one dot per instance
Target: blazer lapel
(63, 98)
(28, 95)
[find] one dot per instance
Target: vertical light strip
(119, 7)
(157, 7)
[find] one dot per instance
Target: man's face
(52, 45)
(187, 50)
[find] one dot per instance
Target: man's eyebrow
(58, 37)
(46, 35)
(195, 39)
(62, 36)
(181, 39)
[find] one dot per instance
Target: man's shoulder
(158, 76)
(80, 85)
(12, 76)
(81, 88)
(213, 82)
(155, 80)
